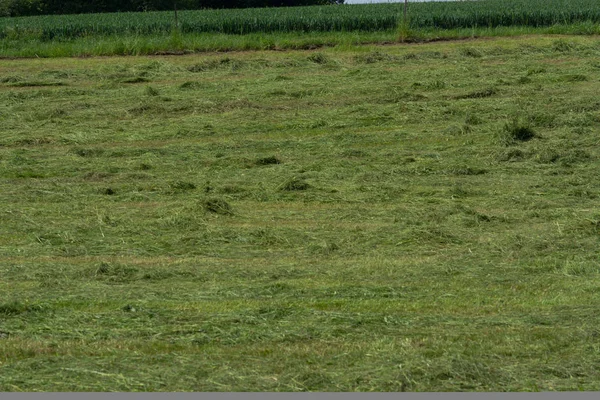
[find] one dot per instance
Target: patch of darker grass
(271, 160)
(16, 307)
(435, 85)
(471, 52)
(374, 57)
(472, 119)
(210, 65)
(477, 216)
(457, 130)
(294, 184)
(12, 308)
(112, 272)
(551, 155)
(158, 275)
(398, 96)
(318, 58)
(35, 84)
(590, 226)
(354, 153)
(575, 156)
(34, 141)
(512, 155)
(232, 189)
(137, 79)
(325, 248)
(96, 176)
(478, 94)
(466, 170)
(27, 173)
(543, 119)
(87, 152)
(313, 381)
(459, 191)
(217, 206)
(434, 235)
(151, 91)
(563, 46)
(516, 131)
(189, 85)
(575, 78)
(11, 79)
(536, 70)
(146, 108)
(182, 186)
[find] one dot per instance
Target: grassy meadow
(415, 217)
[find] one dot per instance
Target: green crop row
(367, 17)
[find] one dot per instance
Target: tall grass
(369, 17)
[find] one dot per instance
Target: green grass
(150, 33)
(350, 219)
(179, 44)
(341, 18)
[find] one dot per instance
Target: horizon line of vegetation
(342, 18)
(20, 8)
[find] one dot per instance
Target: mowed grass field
(371, 218)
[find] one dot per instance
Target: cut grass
(516, 131)
(273, 223)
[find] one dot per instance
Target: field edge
(180, 44)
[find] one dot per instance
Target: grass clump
(88, 152)
(563, 46)
(270, 160)
(575, 78)
(551, 154)
(478, 94)
(137, 79)
(217, 206)
(467, 170)
(294, 184)
(12, 308)
(318, 58)
(472, 119)
(151, 91)
(471, 52)
(182, 186)
(113, 272)
(576, 156)
(189, 85)
(516, 131)
(512, 155)
(374, 57)
(16, 307)
(210, 65)
(36, 84)
(458, 129)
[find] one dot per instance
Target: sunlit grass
(414, 217)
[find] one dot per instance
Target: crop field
(416, 217)
(155, 33)
(345, 18)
